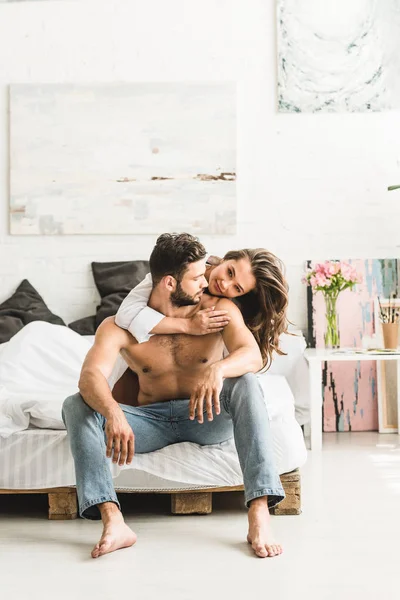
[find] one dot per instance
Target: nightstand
(315, 358)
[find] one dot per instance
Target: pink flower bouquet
(332, 277)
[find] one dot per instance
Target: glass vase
(332, 336)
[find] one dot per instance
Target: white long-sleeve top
(134, 314)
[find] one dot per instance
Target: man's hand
(206, 390)
(120, 438)
(207, 321)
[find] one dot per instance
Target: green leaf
(393, 187)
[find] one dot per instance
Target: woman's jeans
(243, 415)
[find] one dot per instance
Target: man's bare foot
(260, 535)
(116, 534)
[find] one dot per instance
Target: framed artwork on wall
(134, 158)
(338, 56)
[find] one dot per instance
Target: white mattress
(41, 458)
(40, 366)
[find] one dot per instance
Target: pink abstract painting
(350, 388)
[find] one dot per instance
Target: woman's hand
(207, 321)
(207, 390)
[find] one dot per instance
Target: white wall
(309, 185)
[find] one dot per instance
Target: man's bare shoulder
(222, 304)
(108, 332)
(207, 301)
(228, 305)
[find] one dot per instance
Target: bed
(40, 366)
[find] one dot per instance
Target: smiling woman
(232, 277)
(253, 278)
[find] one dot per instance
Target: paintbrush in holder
(390, 318)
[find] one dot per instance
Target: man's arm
(94, 388)
(244, 357)
(98, 366)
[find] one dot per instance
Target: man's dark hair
(172, 255)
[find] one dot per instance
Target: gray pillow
(23, 307)
(114, 281)
(85, 326)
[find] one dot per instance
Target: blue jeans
(243, 415)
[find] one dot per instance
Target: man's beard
(180, 298)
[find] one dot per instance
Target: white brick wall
(309, 185)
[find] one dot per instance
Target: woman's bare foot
(116, 534)
(260, 535)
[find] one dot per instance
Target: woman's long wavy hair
(264, 308)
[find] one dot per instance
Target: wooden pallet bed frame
(63, 503)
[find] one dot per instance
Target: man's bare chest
(164, 353)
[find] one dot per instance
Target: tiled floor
(346, 543)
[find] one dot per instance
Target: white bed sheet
(41, 458)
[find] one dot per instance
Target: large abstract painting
(138, 158)
(338, 56)
(350, 388)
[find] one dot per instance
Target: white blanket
(40, 367)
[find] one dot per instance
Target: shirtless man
(187, 392)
